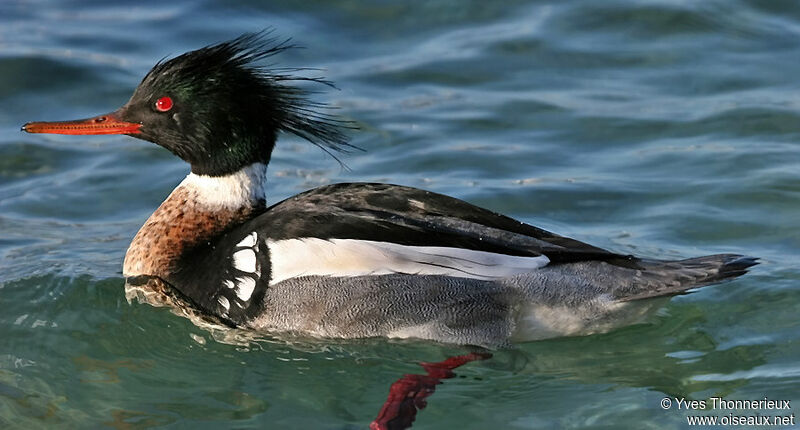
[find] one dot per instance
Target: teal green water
(664, 129)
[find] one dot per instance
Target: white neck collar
(243, 188)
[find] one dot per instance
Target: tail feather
(664, 278)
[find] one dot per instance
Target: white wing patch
(245, 287)
(291, 258)
(223, 301)
(249, 241)
(245, 260)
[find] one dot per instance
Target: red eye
(164, 104)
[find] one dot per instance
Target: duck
(350, 260)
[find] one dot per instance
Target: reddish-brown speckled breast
(178, 224)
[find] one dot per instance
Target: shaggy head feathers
(227, 109)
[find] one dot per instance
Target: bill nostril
(100, 119)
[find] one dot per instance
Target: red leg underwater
(407, 395)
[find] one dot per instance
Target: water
(665, 129)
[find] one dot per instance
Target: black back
(367, 211)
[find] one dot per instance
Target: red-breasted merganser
(354, 259)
